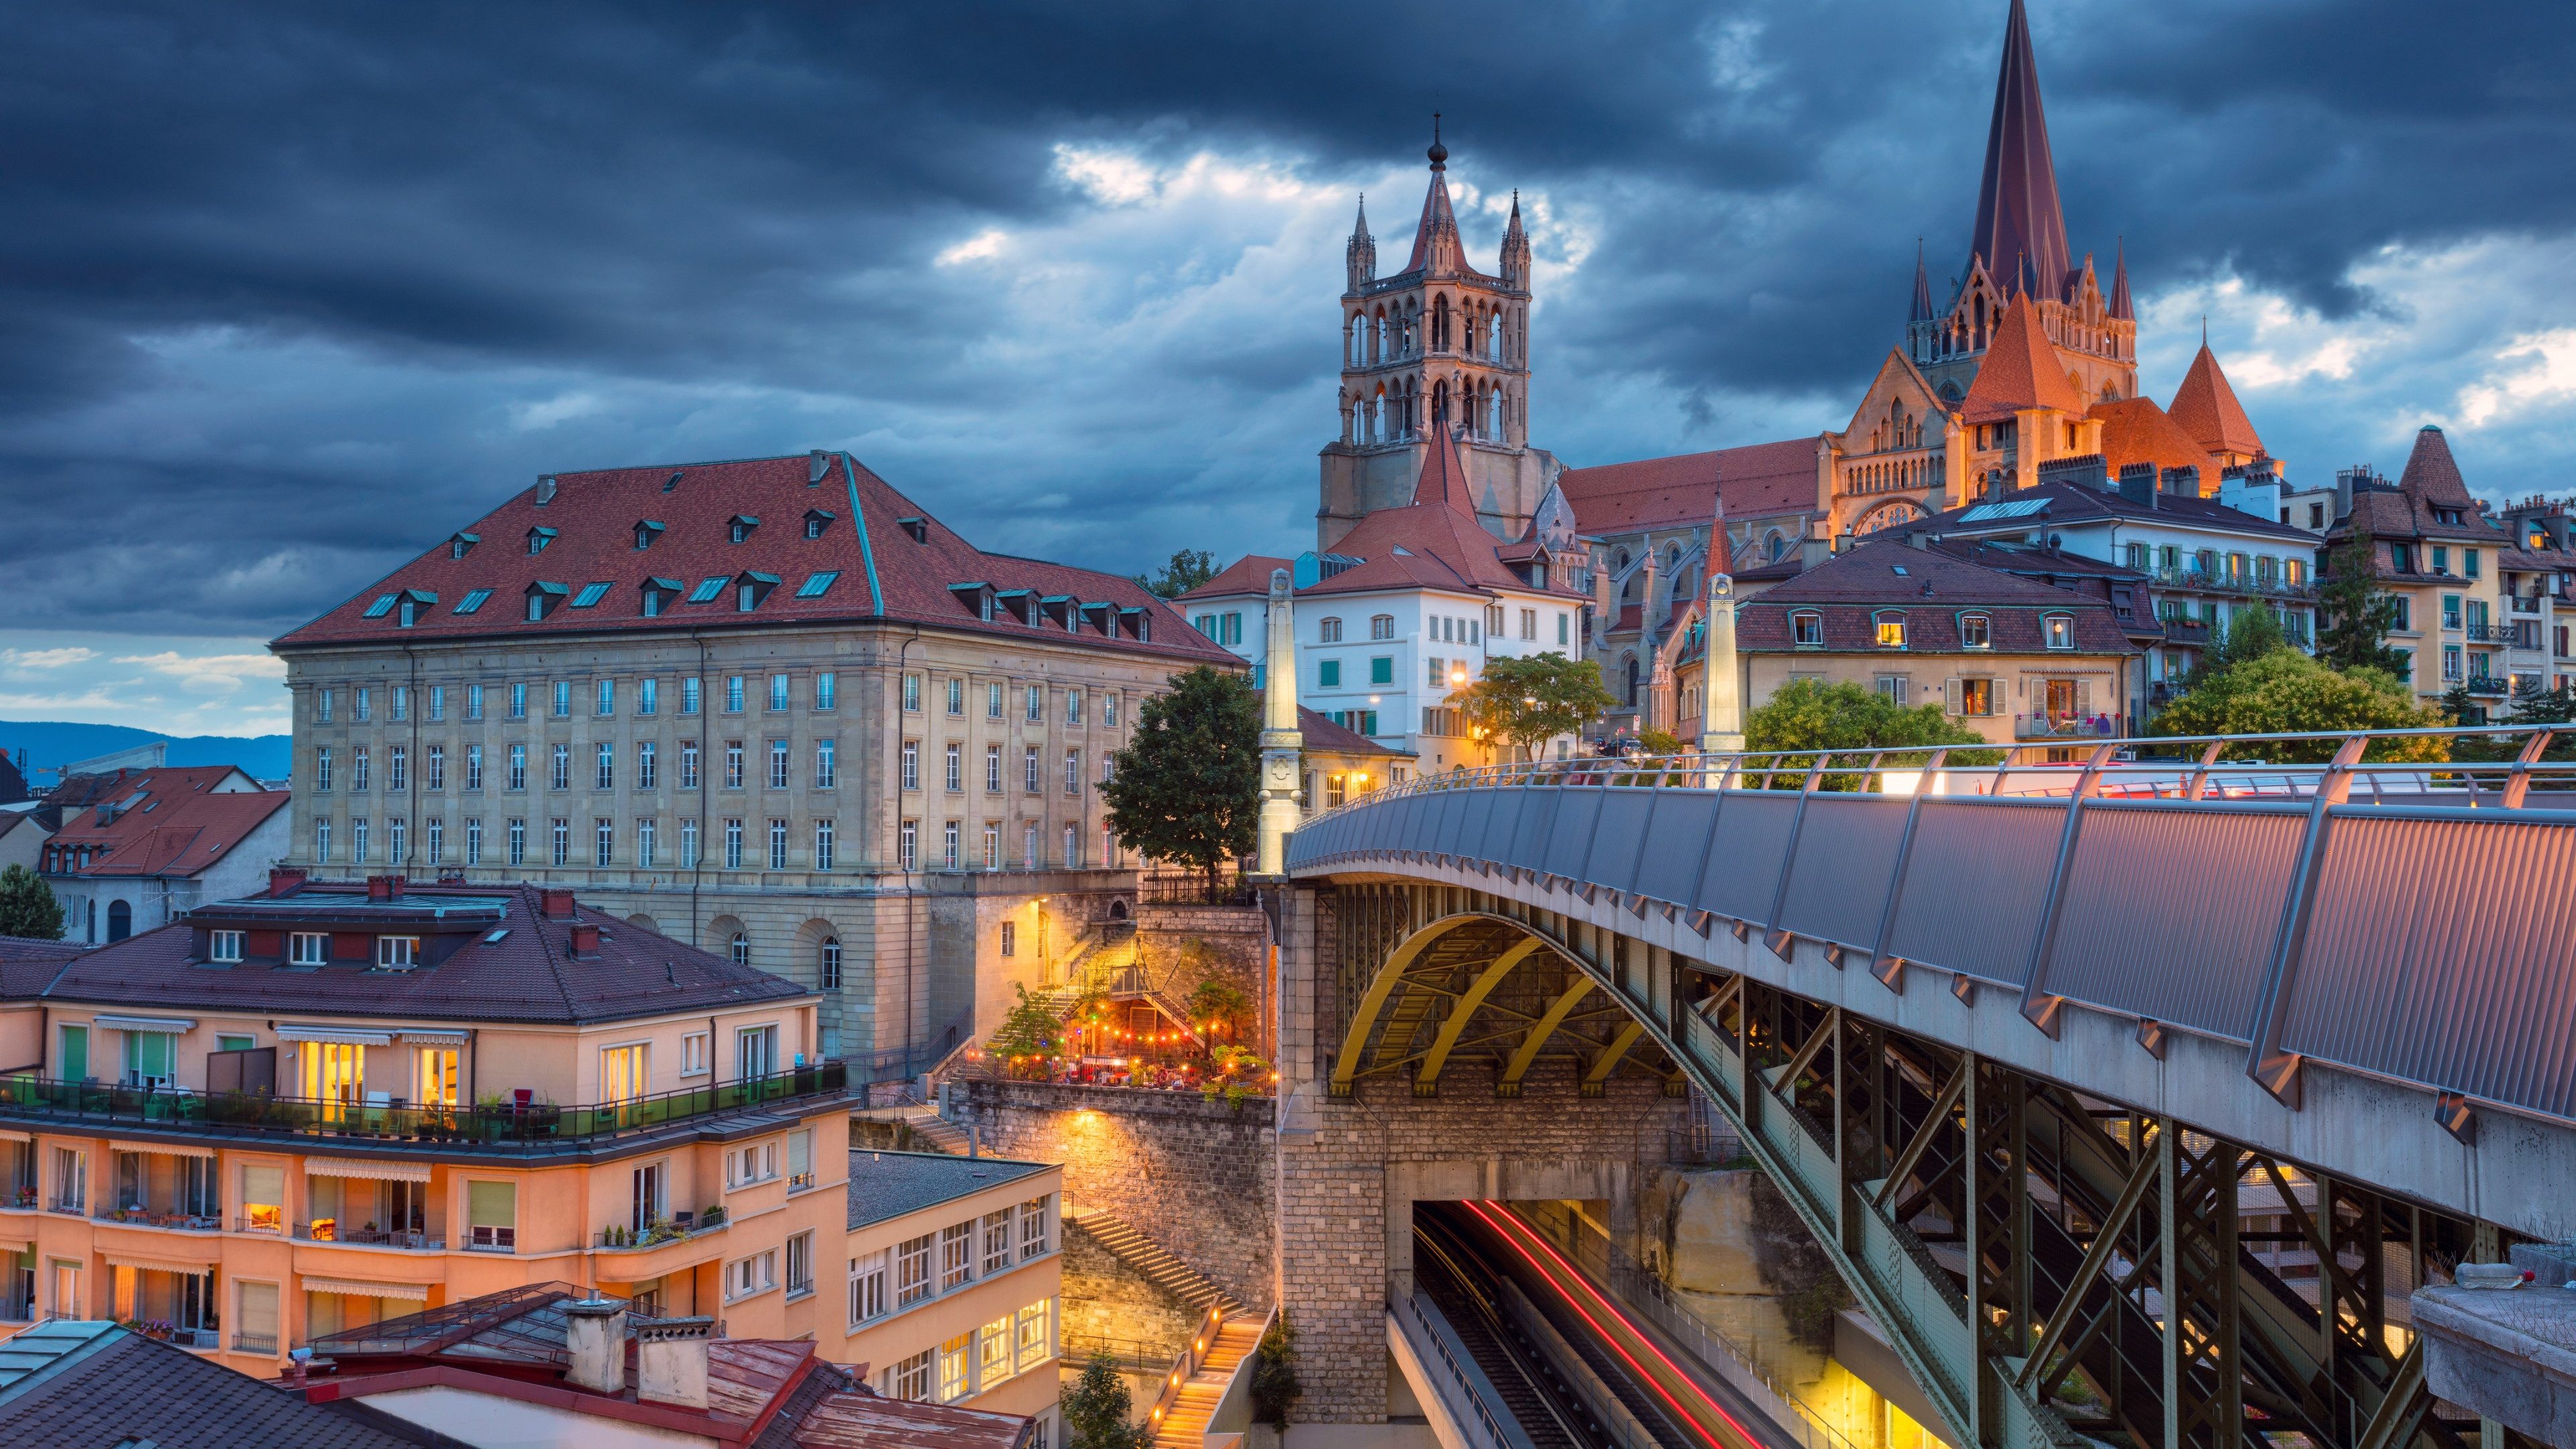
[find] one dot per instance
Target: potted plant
(712, 1216)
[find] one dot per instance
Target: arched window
(1329, 631)
(739, 948)
(120, 920)
(1632, 680)
(1774, 545)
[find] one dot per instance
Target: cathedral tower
(1437, 345)
(2017, 247)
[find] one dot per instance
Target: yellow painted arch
(1372, 1001)
(1427, 1076)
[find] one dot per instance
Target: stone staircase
(942, 1134)
(1185, 1427)
(1149, 1259)
(1096, 967)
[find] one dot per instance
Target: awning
(167, 1149)
(415, 1292)
(12, 1134)
(435, 1038)
(373, 1171)
(171, 1024)
(163, 1265)
(335, 1035)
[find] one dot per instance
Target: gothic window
(1440, 325)
(1631, 667)
(1774, 545)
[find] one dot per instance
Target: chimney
(585, 938)
(671, 1361)
(384, 887)
(1817, 547)
(283, 882)
(557, 904)
(2138, 483)
(2184, 480)
(595, 1333)
(818, 466)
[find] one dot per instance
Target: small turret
(2120, 308)
(1516, 249)
(1922, 288)
(1359, 259)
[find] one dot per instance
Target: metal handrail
(1416, 1316)
(1202, 1343)
(2191, 767)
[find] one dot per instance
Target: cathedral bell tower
(1439, 344)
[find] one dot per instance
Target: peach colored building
(314, 1109)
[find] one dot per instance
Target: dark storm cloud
(276, 279)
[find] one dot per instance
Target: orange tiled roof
(1762, 480)
(2135, 430)
(2206, 407)
(2019, 371)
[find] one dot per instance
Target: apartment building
(305, 1111)
(955, 1281)
(770, 707)
(2436, 550)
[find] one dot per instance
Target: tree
(1526, 701)
(2253, 633)
(1221, 1002)
(1275, 1389)
(1188, 787)
(1809, 714)
(28, 907)
(1189, 568)
(2354, 614)
(1097, 1408)
(1028, 1032)
(2286, 692)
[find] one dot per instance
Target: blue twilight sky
(290, 290)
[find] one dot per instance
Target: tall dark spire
(2019, 219)
(2120, 305)
(1922, 287)
(1435, 239)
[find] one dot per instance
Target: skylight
(472, 601)
(494, 939)
(382, 606)
(591, 594)
(815, 586)
(705, 593)
(2017, 508)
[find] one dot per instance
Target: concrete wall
(1194, 1176)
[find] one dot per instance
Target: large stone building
(771, 707)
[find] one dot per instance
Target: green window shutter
(491, 1204)
(75, 1053)
(1382, 670)
(150, 1051)
(1329, 674)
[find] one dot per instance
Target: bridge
(2027, 1044)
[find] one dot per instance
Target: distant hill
(52, 743)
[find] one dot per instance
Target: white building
(138, 848)
(1404, 613)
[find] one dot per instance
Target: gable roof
(2062, 503)
(166, 821)
(2020, 368)
(2135, 430)
(1249, 574)
(1760, 480)
(1433, 542)
(529, 975)
(28, 966)
(2206, 408)
(70, 1382)
(881, 571)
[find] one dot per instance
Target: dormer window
(544, 599)
(538, 538)
(750, 589)
(2059, 629)
(1807, 629)
(461, 544)
(740, 527)
(1141, 621)
(919, 528)
(646, 532)
(412, 602)
(816, 520)
(1976, 631)
(660, 594)
(976, 596)
(397, 953)
(1887, 627)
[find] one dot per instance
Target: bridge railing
(2399, 903)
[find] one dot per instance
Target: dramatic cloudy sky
(288, 290)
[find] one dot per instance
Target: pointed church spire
(1922, 287)
(1359, 258)
(2018, 214)
(1516, 248)
(2120, 307)
(2206, 408)
(1435, 239)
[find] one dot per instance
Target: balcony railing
(2042, 727)
(532, 1128)
(255, 1343)
(679, 1229)
(144, 1217)
(2222, 582)
(328, 1231)
(2185, 631)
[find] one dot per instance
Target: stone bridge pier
(1354, 1160)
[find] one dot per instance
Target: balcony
(2517, 634)
(2221, 582)
(2185, 631)
(327, 1230)
(2044, 727)
(259, 1343)
(2487, 684)
(137, 1216)
(2525, 603)
(534, 1129)
(679, 1228)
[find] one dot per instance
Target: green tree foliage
(1809, 714)
(1524, 702)
(1657, 742)
(1187, 788)
(1097, 1408)
(2354, 613)
(1275, 1389)
(28, 907)
(1189, 568)
(2253, 633)
(1029, 1034)
(2286, 692)
(1220, 1001)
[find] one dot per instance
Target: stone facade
(1178, 945)
(1197, 1177)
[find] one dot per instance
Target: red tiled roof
(530, 974)
(2206, 408)
(883, 571)
(1860, 582)
(2135, 430)
(2019, 371)
(1761, 480)
(2432, 475)
(1325, 736)
(28, 966)
(1433, 542)
(177, 823)
(1249, 574)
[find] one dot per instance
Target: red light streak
(1511, 1229)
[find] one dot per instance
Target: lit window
(2060, 630)
(1975, 632)
(1889, 630)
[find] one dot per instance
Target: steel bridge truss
(2052, 1267)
